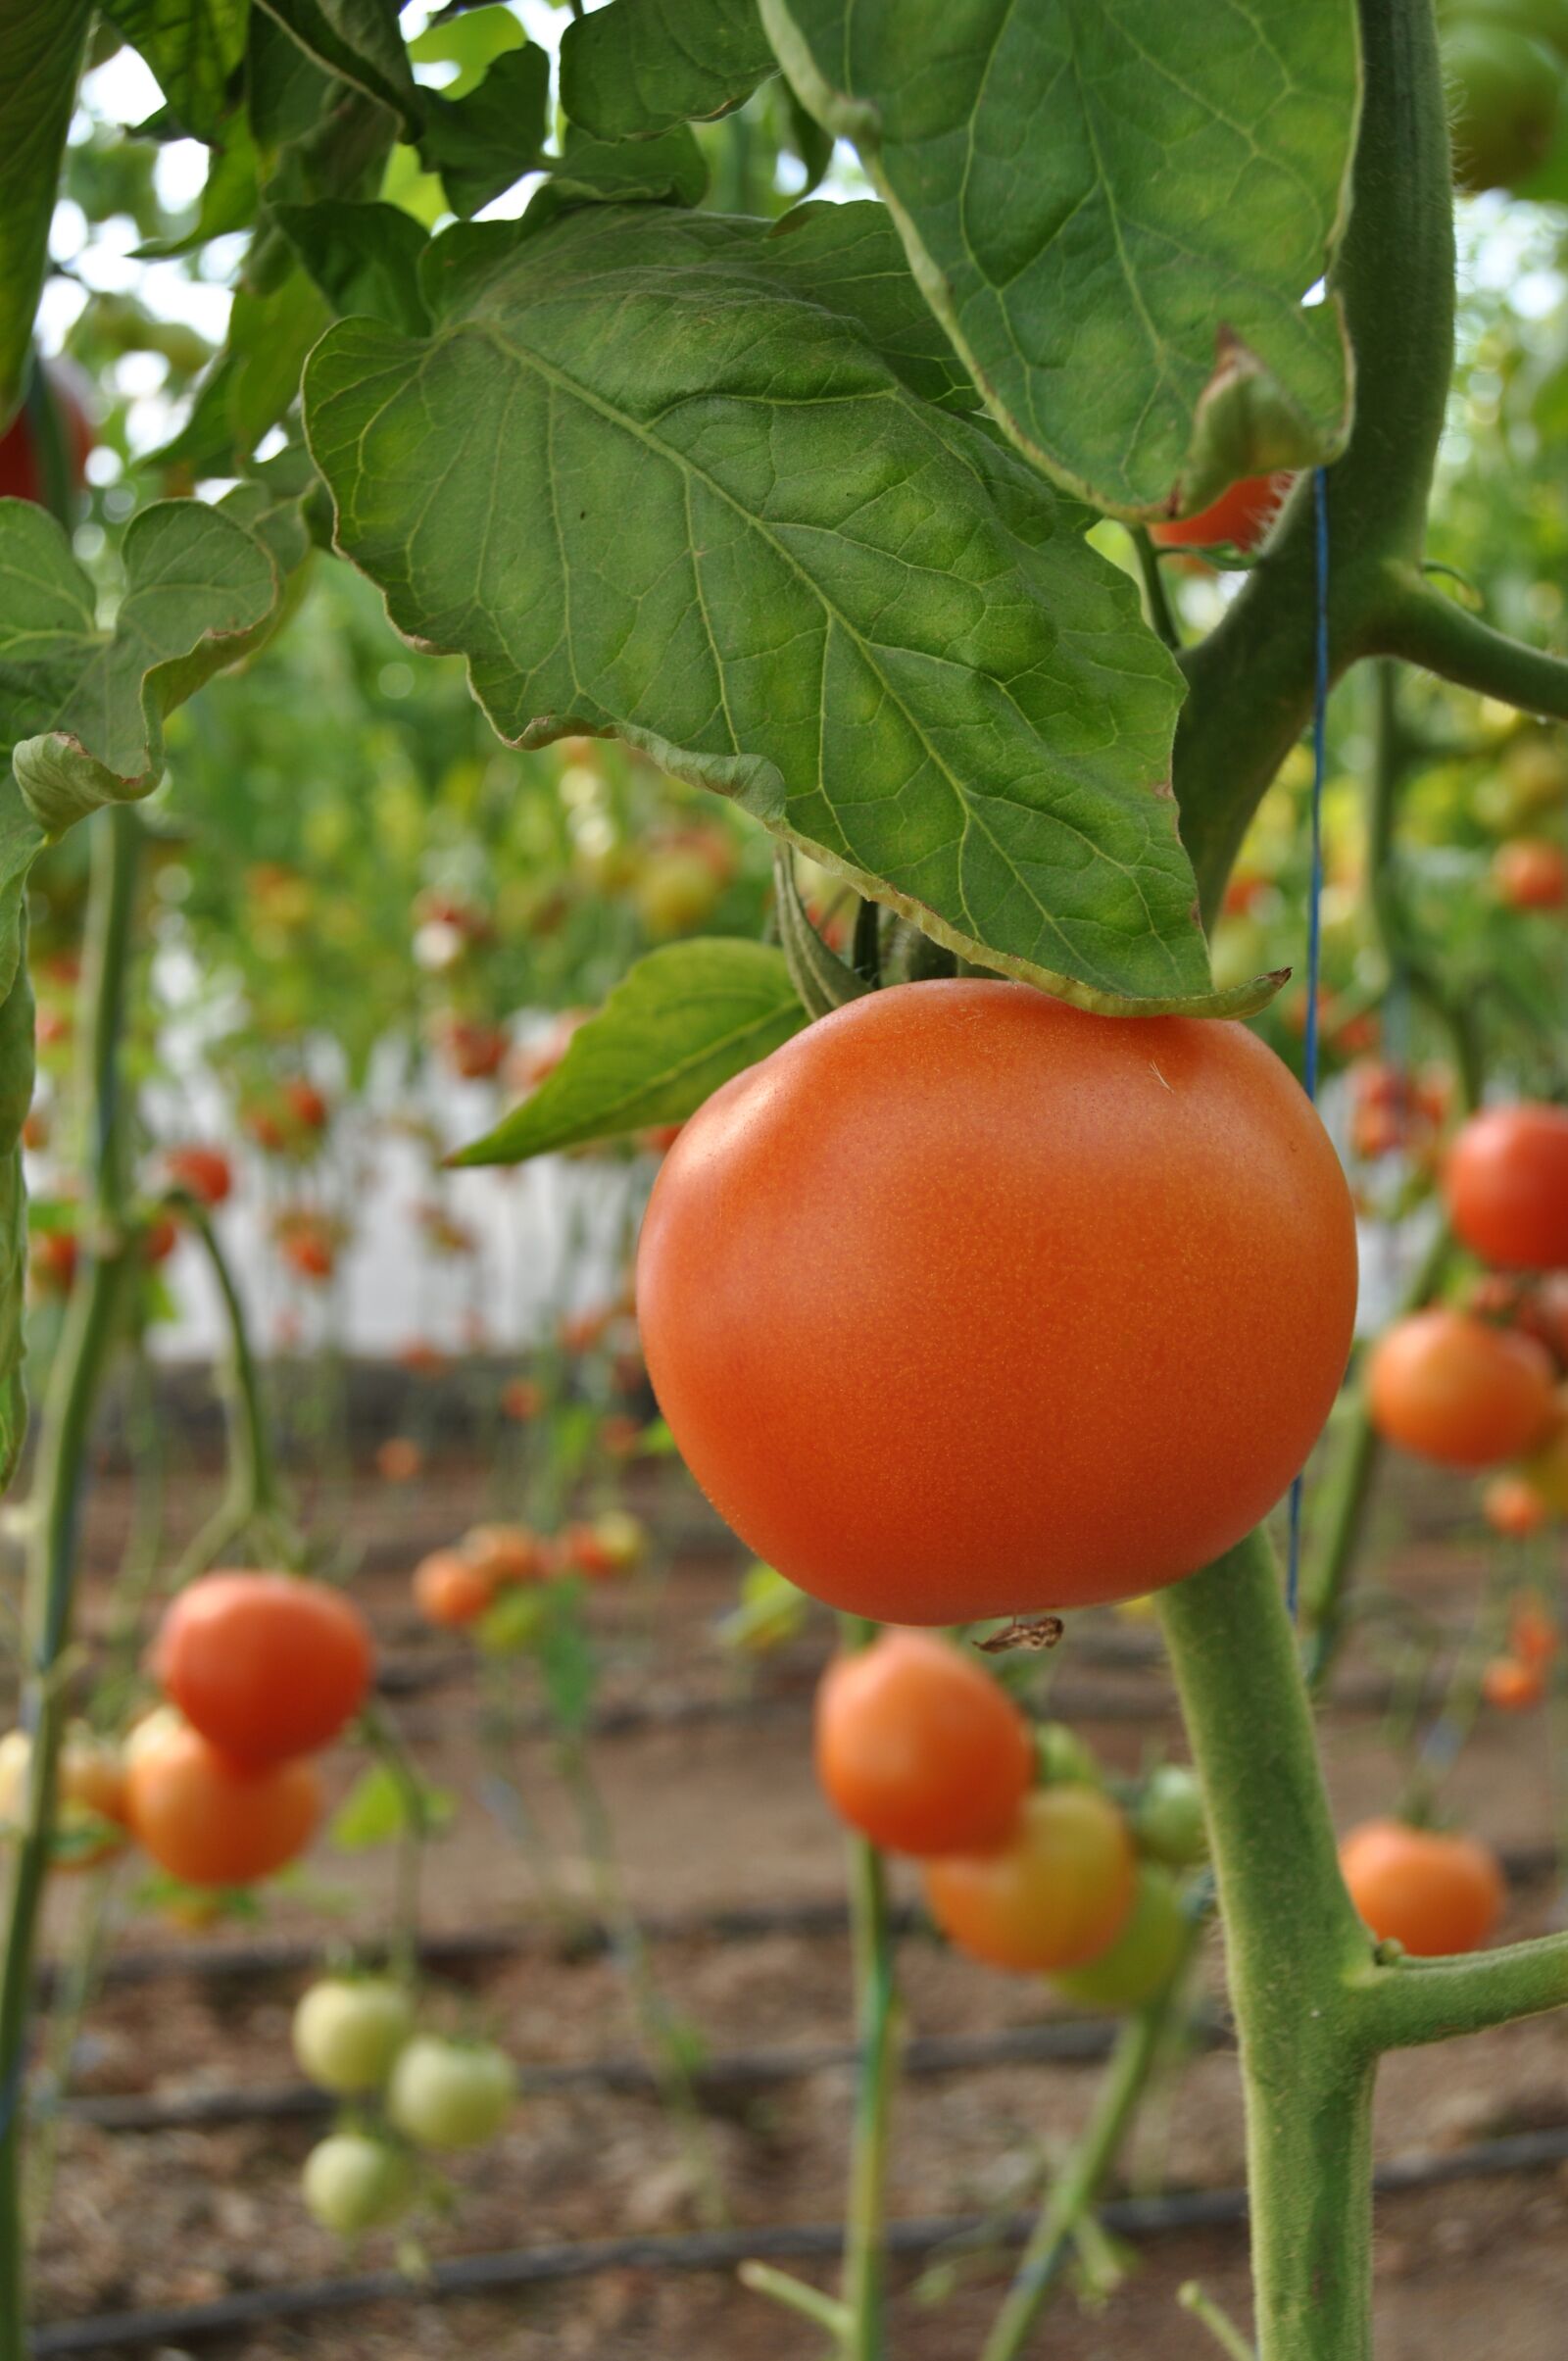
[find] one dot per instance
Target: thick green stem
(1427, 628)
(251, 1496)
(1076, 2188)
(63, 1440)
(1294, 1946)
(1251, 680)
(1420, 2001)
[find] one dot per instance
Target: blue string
(1314, 912)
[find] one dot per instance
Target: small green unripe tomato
(1064, 1757)
(1168, 1823)
(352, 2183)
(450, 2094)
(1144, 1956)
(348, 2029)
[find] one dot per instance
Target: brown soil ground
(713, 1809)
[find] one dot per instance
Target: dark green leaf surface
(654, 475)
(359, 41)
(254, 379)
(670, 170)
(1115, 208)
(682, 1021)
(484, 141)
(643, 66)
(192, 47)
(40, 55)
(364, 257)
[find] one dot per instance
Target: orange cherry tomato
(1433, 1894)
(450, 1589)
(1531, 873)
(1506, 1179)
(305, 1104)
(502, 1552)
(1449, 1388)
(1239, 517)
(52, 1259)
(89, 1794)
(209, 1821)
(521, 1399)
(160, 1239)
(920, 1748)
(399, 1459)
(1055, 1894)
(1510, 1686)
(1512, 1505)
(265, 1665)
(472, 1049)
(921, 1294)
(1532, 1631)
(204, 1174)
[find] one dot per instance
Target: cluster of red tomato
(1392, 1111)
(1477, 1387)
(404, 2092)
(464, 1585)
(1030, 1863)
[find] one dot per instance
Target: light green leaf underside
(40, 56)
(1109, 202)
(682, 1021)
(652, 476)
(638, 66)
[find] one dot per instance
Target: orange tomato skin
(1450, 1388)
(1531, 873)
(919, 1748)
(924, 1297)
(1241, 516)
(1505, 1180)
(452, 1589)
(206, 1172)
(209, 1820)
(1512, 1507)
(1436, 1895)
(1532, 1634)
(502, 1552)
(264, 1666)
(1057, 1893)
(1510, 1686)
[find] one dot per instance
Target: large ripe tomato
(1239, 517)
(965, 1302)
(1506, 1179)
(265, 1665)
(1055, 1894)
(1142, 1960)
(920, 1748)
(1453, 1389)
(209, 1821)
(1433, 1894)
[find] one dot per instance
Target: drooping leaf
(643, 66)
(254, 379)
(83, 708)
(364, 257)
(42, 50)
(484, 141)
(681, 1021)
(359, 41)
(650, 478)
(228, 199)
(670, 170)
(379, 1807)
(1115, 209)
(192, 47)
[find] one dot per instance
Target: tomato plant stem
(251, 1496)
(1076, 2188)
(64, 1430)
(877, 2028)
(1294, 1946)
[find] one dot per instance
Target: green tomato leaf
(1115, 210)
(43, 48)
(650, 478)
(670, 170)
(484, 141)
(82, 707)
(364, 257)
(228, 199)
(681, 1021)
(254, 379)
(359, 41)
(378, 1808)
(471, 42)
(643, 66)
(192, 47)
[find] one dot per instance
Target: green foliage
(43, 45)
(382, 1806)
(1115, 211)
(15, 1094)
(638, 66)
(670, 170)
(364, 257)
(193, 47)
(483, 142)
(715, 465)
(685, 1019)
(358, 41)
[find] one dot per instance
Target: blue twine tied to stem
(1314, 909)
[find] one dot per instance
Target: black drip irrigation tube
(725, 2249)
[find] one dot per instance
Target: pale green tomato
(1168, 1817)
(450, 2094)
(352, 2183)
(348, 2029)
(1144, 1956)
